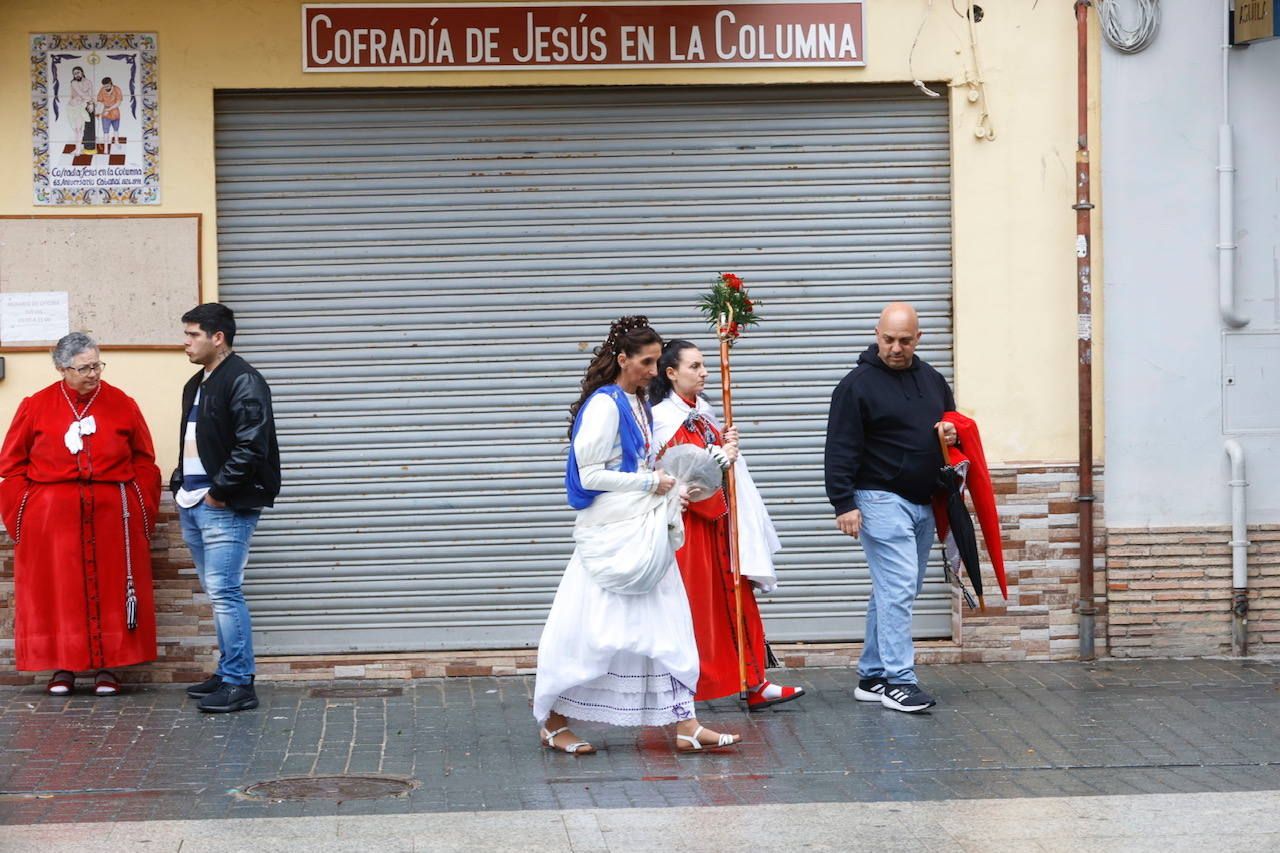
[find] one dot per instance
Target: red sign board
(413, 37)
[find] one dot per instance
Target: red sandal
(61, 683)
(105, 683)
(759, 698)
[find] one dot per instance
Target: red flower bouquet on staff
(727, 307)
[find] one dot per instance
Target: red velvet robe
(708, 581)
(64, 512)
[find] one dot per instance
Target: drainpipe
(1226, 192)
(1084, 326)
(1239, 552)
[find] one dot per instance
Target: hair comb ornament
(622, 327)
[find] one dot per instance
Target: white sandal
(696, 745)
(576, 748)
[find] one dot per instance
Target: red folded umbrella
(981, 493)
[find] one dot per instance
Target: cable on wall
(1122, 37)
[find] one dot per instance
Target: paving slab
(1018, 731)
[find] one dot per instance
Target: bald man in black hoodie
(882, 462)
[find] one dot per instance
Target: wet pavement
(1001, 731)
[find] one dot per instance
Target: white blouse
(598, 448)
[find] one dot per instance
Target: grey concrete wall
(1164, 377)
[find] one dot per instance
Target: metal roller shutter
(421, 276)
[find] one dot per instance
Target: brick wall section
(185, 638)
(1041, 533)
(1170, 591)
(1136, 610)
(184, 620)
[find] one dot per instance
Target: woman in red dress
(685, 417)
(79, 499)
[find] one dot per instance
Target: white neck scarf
(83, 425)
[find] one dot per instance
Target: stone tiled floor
(1000, 731)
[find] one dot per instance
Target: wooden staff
(726, 391)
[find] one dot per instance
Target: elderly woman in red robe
(683, 416)
(79, 498)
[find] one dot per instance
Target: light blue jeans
(896, 536)
(219, 543)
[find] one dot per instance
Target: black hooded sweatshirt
(880, 431)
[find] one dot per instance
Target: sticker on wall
(95, 118)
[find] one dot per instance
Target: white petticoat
(625, 660)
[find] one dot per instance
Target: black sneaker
(228, 698)
(906, 697)
(204, 688)
(869, 689)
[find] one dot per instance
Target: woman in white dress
(618, 646)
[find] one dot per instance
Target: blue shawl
(632, 445)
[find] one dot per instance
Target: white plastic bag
(694, 468)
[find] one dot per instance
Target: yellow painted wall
(1015, 316)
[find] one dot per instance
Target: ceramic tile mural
(95, 122)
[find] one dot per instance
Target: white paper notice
(33, 317)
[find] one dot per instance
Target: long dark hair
(627, 336)
(661, 386)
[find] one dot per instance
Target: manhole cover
(355, 692)
(336, 787)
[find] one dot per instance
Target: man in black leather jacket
(228, 470)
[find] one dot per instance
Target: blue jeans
(896, 536)
(219, 543)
